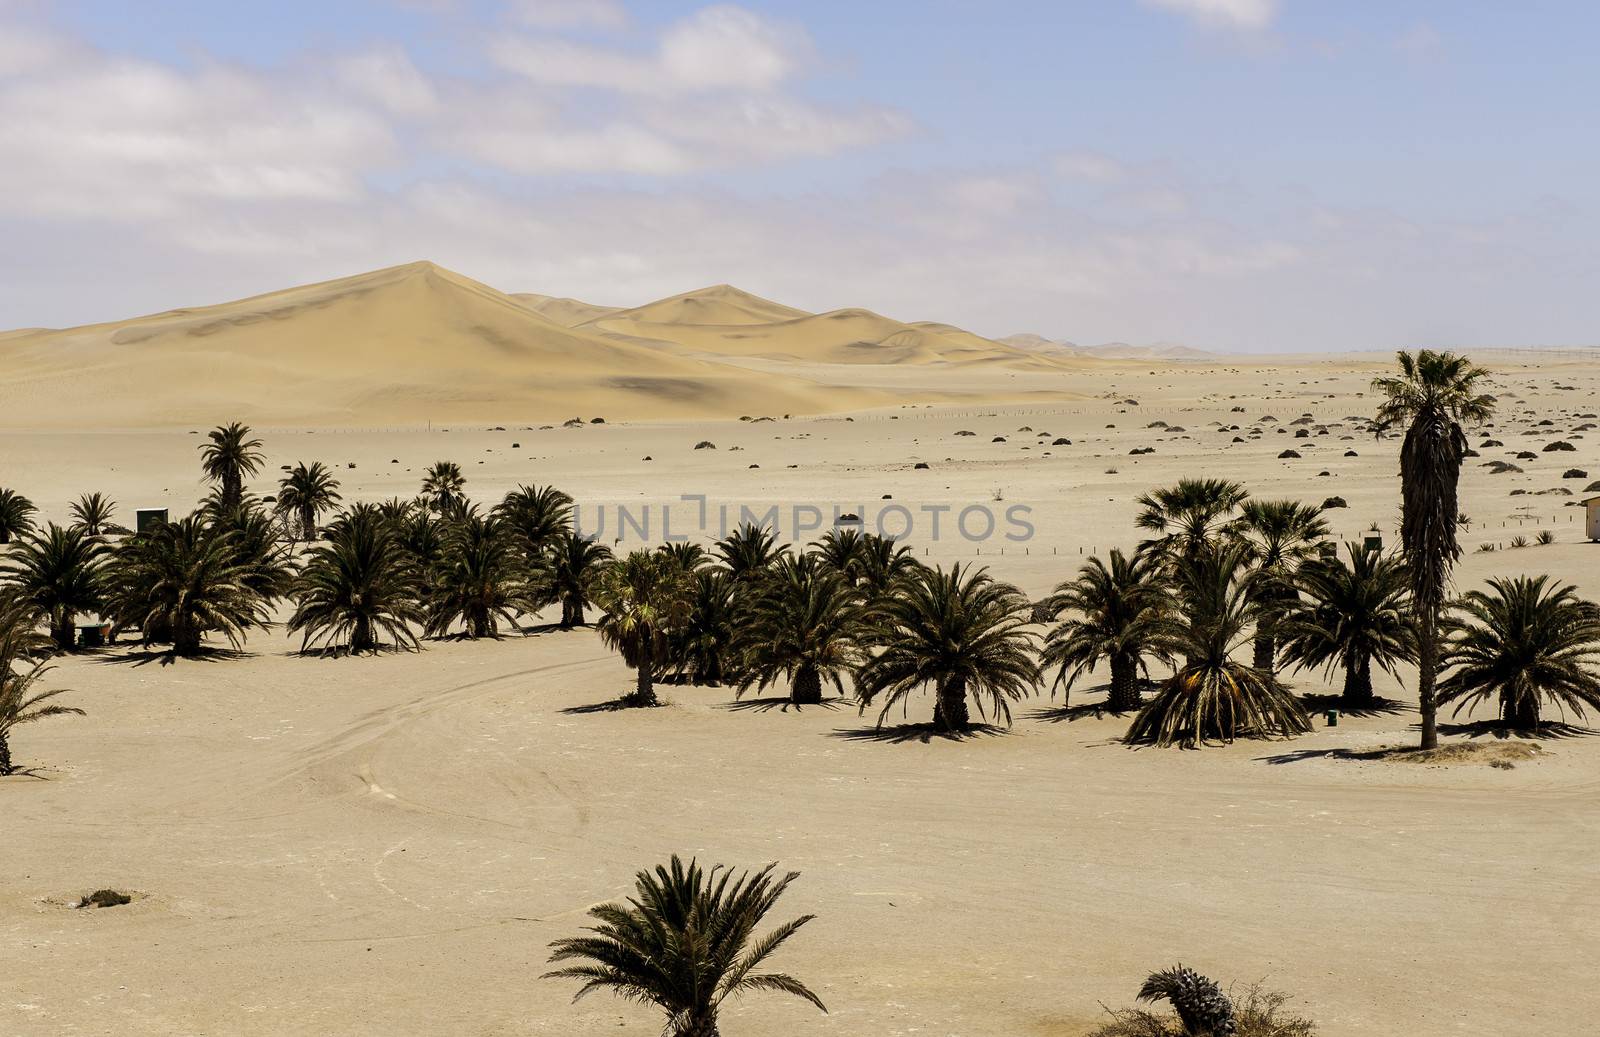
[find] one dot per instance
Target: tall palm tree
(479, 581)
(22, 651)
(840, 548)
(572, 565)
(58, 571)
(1353, 615)
(690, 557)
(1282, 535)
(443, 487)
(93, 512)
(228, 457)
(1115, 613)
(962, 633)
(683, 943)
(540, 515)
(1524, 642)
(1434, 395)
(702, 649)
(16, 515)
(181, 580)
(1211, 695)
(749, 550)
(361, 583)
(802, 624)
(646, 598)
(305, 493)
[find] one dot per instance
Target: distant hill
(1106, 351)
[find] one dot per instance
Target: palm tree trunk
(6, 766)
(703, 1026)
(308, 522)
(1522, 714)
(644, 689)
(572, 612)
(950, 710)
(186, 638)
(1358, 683)
(807, 686)
(1427, 670)
(361, 638)
(1124, 684)
(62, 630)
(1266, 646)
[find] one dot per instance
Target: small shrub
(1519, 541)
(1257, 1013)
(1545, 537)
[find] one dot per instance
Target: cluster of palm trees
(852, 611)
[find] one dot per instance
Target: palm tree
(1191, 515)
(881, 564)
(569, 572)
(961, 632)
(305, 493)
(749, 550)
(690, 557)
(802, 624)
(181, 580)
(228, 457)
(1526, 641)
(479, 581)
(683, 943)
(1282, 535)
(1433, 396)
(1353, 615)
(93, 512)
(1211, 695)
(16, 515)
(442, 487)
(840, 548)
(22, 649)
(540, 515)
(646, 600)
(1116, 613)
(703, 648)
(58, 571)
(358, 584)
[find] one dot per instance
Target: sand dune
(1063, 349)
(397, 345)
(413, 343)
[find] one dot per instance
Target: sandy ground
(386, 846)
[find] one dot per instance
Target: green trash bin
(1333, 718)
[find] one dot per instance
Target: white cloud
(1233, 14)
(716, 48)
(389, 78)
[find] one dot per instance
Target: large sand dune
(413, 343)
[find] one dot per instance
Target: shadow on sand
(166, 657)
(1378, 707)
(1067, 714)
(780, 703)
(611, 706)
(899, 734)
(1495, 729)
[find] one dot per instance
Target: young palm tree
(1434, 395)
(16, 515)
(443, 487)
(1525, 642)
(262, 545)
(840, 548)
(691, 558)
(685, 943)
(1353, 615)
(749, 550)
(1211, 695)
(540, 515)
(305, 493)
(646, 599)
(1282, 536)
(568, 574)
(960, 632)
(182, 580)
(359, 584)
(93, 512)
(58, 571)
(881, 564)
(227, 458)
(1116, 613)
(703, 648)
(480, 580)
(802, 624)
(22, 649)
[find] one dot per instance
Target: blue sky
(1231, 174)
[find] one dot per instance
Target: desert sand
(387, 845)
